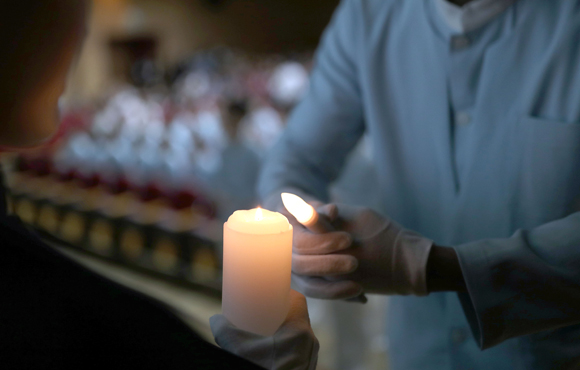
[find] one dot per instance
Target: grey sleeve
(328, 122)
(524, 284)
(292, 347)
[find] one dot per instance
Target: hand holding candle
(316, 269)
(293, 345)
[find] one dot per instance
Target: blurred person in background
(54, 313)
(234, 182)
(472, 109)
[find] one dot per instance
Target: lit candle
(305, 214)
(257, 268)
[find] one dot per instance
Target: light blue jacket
(477, 146)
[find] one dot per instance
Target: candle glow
(302, 211)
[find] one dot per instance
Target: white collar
(472, 15)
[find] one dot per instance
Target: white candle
(257, 268)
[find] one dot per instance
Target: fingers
(230, 337)
(359, 299)
(306, 242)
(315, 203)
(323, 265)
(298, 309)
(295, 345)
(328, 210)
(289, 216)
(218, 324)
(317, 287)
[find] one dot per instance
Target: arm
(524, 284)
(321, 132)
(326, 125)
(517, 286)
(508, 287)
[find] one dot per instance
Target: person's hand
(389, 258)
(313, 254)
(293, 346)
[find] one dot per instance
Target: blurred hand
(378, 257)
(293, 346)
(313, 255)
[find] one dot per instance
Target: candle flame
(302, 211)
(259, 215)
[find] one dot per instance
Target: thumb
(298, 312)
(328, 210)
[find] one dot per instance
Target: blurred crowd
(196, 134)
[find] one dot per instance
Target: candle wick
(259, 216)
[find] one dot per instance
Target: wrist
(443, 271)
